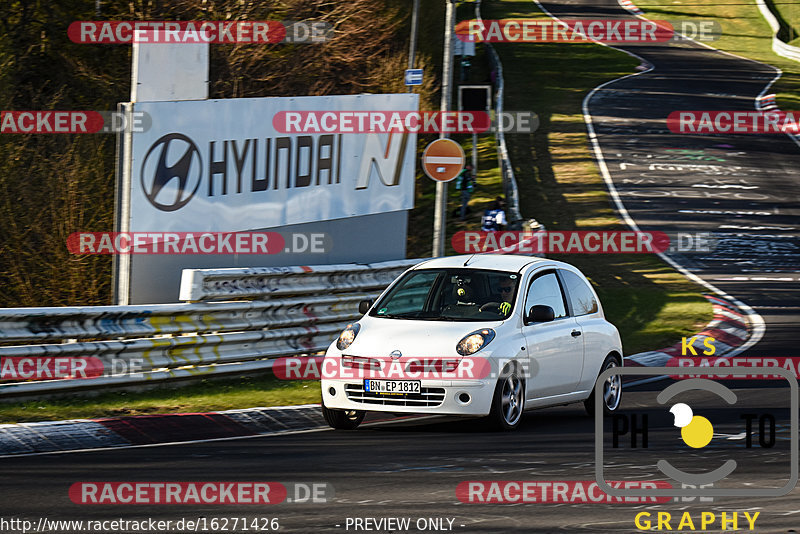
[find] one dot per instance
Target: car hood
(379, 337)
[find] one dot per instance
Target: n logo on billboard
(387, 160)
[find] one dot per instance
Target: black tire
(508, 402)
(612, 390)
(342, 419)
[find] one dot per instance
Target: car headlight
(347, 336)
(474, 341)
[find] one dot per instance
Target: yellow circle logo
(698, 433)
(696, 430)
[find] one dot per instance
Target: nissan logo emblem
(172, 177)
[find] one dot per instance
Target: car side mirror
(365, 305)
(540, 314)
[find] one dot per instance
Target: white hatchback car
(535, 326)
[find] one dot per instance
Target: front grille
(427, 398)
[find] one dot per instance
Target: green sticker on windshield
(382, 310)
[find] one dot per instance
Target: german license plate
(392, 387)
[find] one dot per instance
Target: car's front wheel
(342, 419)
(612, 389)
(508, 402)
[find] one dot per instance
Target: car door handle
(576, 333)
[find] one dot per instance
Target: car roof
(496, 262)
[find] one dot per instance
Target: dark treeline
(54, 184)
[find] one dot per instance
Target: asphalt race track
(743, 189)
(406, 470)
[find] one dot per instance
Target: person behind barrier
(494, 218)
(465, 182)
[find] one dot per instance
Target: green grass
(204, 396)
(651, 304)
(745, 33)
(789, 12)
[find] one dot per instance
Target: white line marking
(445, 160)
(754, 279)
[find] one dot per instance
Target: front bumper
(439, 397)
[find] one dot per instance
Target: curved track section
(742, 191)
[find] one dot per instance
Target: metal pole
(412, 50)
(474, 153)
(440, 210)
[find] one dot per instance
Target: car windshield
(450, 295)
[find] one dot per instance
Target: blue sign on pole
(413, 76)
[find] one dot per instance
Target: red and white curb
(26, 439)
(630, 6)
(727, 331)
(144, 430)
(767, 103)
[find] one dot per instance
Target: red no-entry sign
(443, 159)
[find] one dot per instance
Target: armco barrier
(210, 284)
(299, 310)
(778, 46)
(509, 181)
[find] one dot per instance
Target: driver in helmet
(502, 299)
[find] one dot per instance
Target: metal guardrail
(778, 46)
(209, 284)
(509, 181)
(300, 310)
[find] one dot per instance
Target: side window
(409, 295)
(580, 294)
(545, 290)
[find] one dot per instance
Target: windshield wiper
(410, 315)
(416, 316)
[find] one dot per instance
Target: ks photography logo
(700, 424)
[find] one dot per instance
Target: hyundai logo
(395, 354)
(172, 177)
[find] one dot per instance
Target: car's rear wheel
(508, 402)
(612, 390)
(342, 419)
